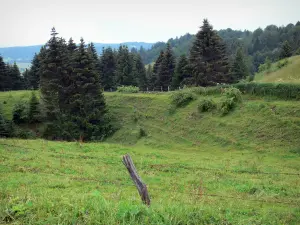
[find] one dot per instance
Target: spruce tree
(92, 50)
(52, 72)
(150, 77)
(239, 68)
(139, 72)
(166, 69)
(34, 109)
(34, 75)
(17, 80)
(286, 50)
(208, 59)
(71, 46)
(4, 77)
(155, 82)
(107, 69)
(124, 67)
(182, 75)
(87, 104)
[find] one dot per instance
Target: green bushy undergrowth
(231, 97)
(128, 89)
(182, 98)
(206, 105)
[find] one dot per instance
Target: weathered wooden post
(140, 185)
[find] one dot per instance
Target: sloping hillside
(287, 74)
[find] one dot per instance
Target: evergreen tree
(124, 67)
(286, 50)
(87, 105)
(34, 75)
(139, 72)
(208, 59)
(166, 69)
(107, 69)
(154, 82)
(92, 50)
(4, 76)
(6, 127)
(239, 68)
(17, 79)
(51, 76)
(34, 110)
(71, 46)
(151, 78)
(182, 74)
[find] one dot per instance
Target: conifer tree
(92, 50)
(124, 67)
(4, 77)
(150, 77)
(182, 74)
(286, 50)
(51, 76)
(34, 110)
(239, 68)
(154, 82)
(139, 72)
(107, 69)
(87, 104)
(71, 46)
(166, 69)
(16, 79)
(34, 75)
(208, 59)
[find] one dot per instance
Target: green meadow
(200, 167)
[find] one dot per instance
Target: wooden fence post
(140, 185)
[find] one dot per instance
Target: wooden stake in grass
(140, 185)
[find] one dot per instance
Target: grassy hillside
(201, 168)
(288, 74)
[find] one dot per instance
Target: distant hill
(288, 74)
(24, 54)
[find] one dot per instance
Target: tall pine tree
(139, 72)
(124, 67)
(182, 75)
(107, 69)
(155, 82)
(286, 50)
(166, 69)
(208, 59)
(239, 68)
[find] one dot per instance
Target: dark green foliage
(124, 74)
(286, 50)
(10, 77)
(20, 113)
(281, 91)
(239, 69)
(142, 132)
(6, 126)
(87, 105)
(182, 98)
(34, 75)
(128, 89)
(107, 68)
(154, 81)
(166, 69)
(206, 105)
(139, 72)
(150, 76)
(208, 59)
(34, 114)
(92, 50)
(182, 75)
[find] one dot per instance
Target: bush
(182, 98)
(282, 63)
(142, 132)
(206, 105)
(128, 89)
(20, 113)
(233, 93)
(226, 105)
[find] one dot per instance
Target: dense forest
(257, 45)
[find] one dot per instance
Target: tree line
(10, 77)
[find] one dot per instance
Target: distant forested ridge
(257, 45)
(24, 54)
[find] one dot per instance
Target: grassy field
(288, 74)
(200, 168)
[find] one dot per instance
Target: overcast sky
(28, 22)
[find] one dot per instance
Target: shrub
(128, 89)
(34, 109)
(206, 105)
(282, 63)
(233, 93)
(142, 132)
(6, 127)
(182, 98)
(226, 105)
(20, 113)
